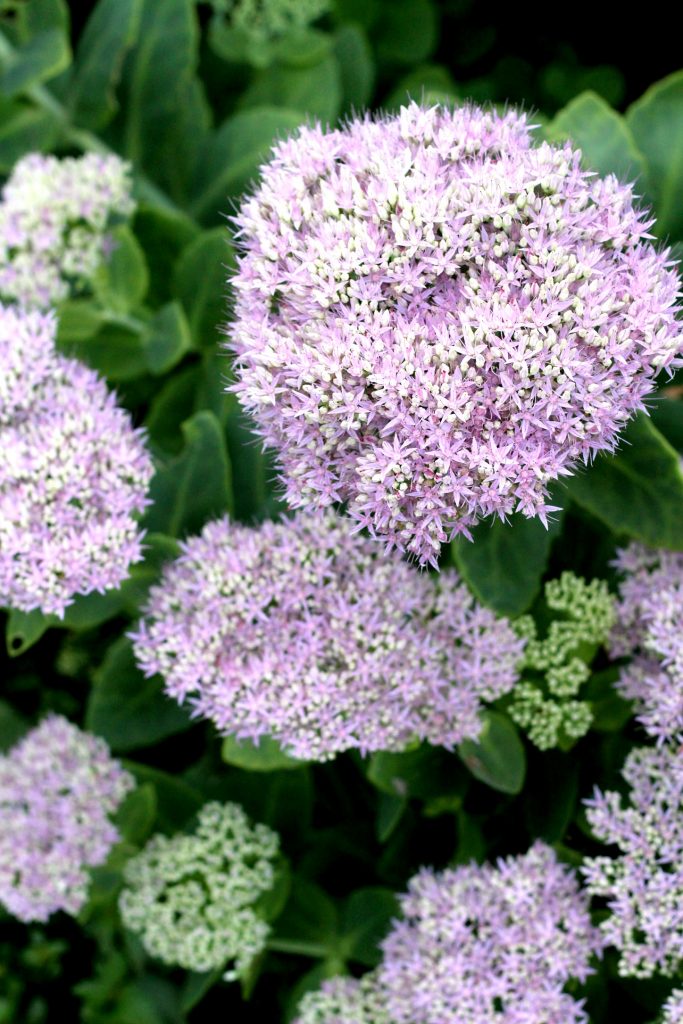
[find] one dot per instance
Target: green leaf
(24, 629)
(135, 817)
(121, 283)
(196, 986)
(167, 338)
(264, 756)
(602, 134)
(390, 810)
(365, 921)
(497, 758)
(316, 90)
(177, 801)
(409, 31)
(430, 83)
(504, 563)
(79, 320)
(656, 122)
(194, 487)
(12, 726)
(667, 416)
(308, 919)
(639, 490)
(24, 129)
(128, 710)
(116, 351)
(172, 404)
(356, 66)
(111, 30)
(231, 157)
(199, 283)
(423, 773)
(163, 235)
(553, 792)
(44, 55)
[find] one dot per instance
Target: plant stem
(299, 948)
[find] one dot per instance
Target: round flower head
(191, 898)
(303, 631)
(643, 886)
(58, 787)
(649, 629)
(491, 943)
(673, 1008)
(434, 318)
(53, 220)
(344, 1001)
(73, 475)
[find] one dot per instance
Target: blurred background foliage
(194, 99)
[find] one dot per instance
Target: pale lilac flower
(73, 473)
(490, 943)
(643, 884)
(673, 1008)
(435, 318)
(58, 787)
(649, 630)
(305, 632)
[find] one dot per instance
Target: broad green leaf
(667, 416)
(43, 56)
(656, 122)
(199, 283)
(24, 629)
(356, 66)
(601, 133)
(111, 30)
(422, 773)
(12, 726)
(553, 791)
(390, 810)
(231, 157)
(428, 84)
(302, 47)
(196, 987)
(167, 338)
(177, 801)
(121, 283)
(79, 320)
(315, 90)
(163, 235)
(128, 710)
(135, 817)
(264, 756)
(24, 129)
(172, 404)
(639, 490)
(308, 920)
(408, 31)
(194, 487)
(365, 921)
(504, 564)
(117, 351)
(497, 757)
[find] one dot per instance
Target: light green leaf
(232, 155)
(639, 490)
(43, 56)
(79, 320)
(264, 756)
(356, 66)
(121, 283)
(199, 283)
(656, 122)
(504, 564)
(194, 487)
(109, 33)
(177, 801)
(116, 351)
(602, 134)
(24, 629)
(24, 129)
(128, 710)
(163, 234)
(497, 758)
(135, 817)
(315, 90)
(167, 338)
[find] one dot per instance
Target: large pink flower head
(435, 318)
(74, 473)
(303, 631)
(58, 787)
(649, 629)
(490, 943)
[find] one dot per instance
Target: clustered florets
(649, 631)
(435, 318)
(58, 787)
(54, 216)
(643, 885)
(545, 703)
(305, 632)
(73, 473)
(673, 1008)
(191, 898)
(476, 944)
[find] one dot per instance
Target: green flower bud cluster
(260, 23)
(191, 898)
(545, 702)
(344, 1001)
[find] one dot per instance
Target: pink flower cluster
(73, 473)
(305, 632)
(58, 787)
(649, 630)
(434, 318)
